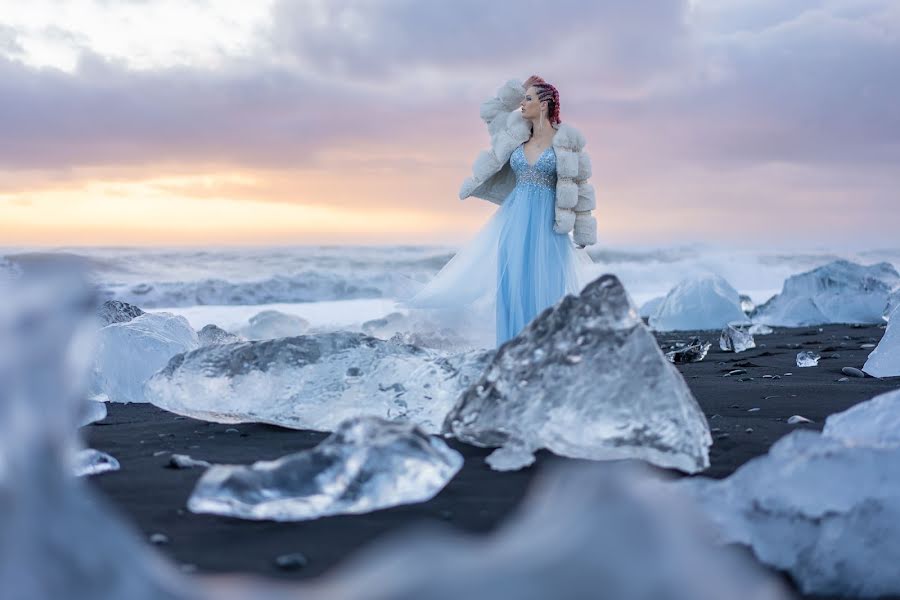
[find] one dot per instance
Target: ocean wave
(312, 286)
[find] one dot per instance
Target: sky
(765, 123)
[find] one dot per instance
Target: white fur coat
(493, 179)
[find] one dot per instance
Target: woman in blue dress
(524, 259)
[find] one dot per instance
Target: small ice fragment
(754, 409)
(183, 461)
(94, 462)
(511, 457)
(159, 539)
(733, 339)
(694, 351)
(367, 464)
(759, 329)
(807, 359)
(795, 419)
(291, 562)
(747, 304)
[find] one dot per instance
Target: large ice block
(585, 379)
(271, 324)
(734, 339)
(707, 302)
(824, 507)
(884, 360)
(367, 464)
(839, 292)
(128, 353)
(315, 381)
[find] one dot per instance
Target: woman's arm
(585, 232)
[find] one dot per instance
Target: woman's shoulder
(568, 138)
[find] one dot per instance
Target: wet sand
(154, 497)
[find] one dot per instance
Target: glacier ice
(585, 379)
(213, 334)
(839, 292)
(315, 381)
(808, 358)
(884, 360)
(367, 464)
(705, 302)
(271, 324)
(116, 311)
(94, 462)
(649, 308)
(128, 353)
(693, 351)
(733, 339)
(824, 507)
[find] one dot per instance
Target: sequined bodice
(542, 173)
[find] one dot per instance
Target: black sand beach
(747, 413)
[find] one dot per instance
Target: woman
(523, 260)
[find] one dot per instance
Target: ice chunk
(116, 311)
(797, 419)
(91, 412)
(807, 358)
(315, 381)
(707, 302)
(733, 339)
(824, 507)
(129, 353)
(604, 531)
(94, 462)
(649, 308)
(747, 304)
(892, 304)
(366, 464)
(213, 334)
(586, 379)
(271, 324)
(839, 292)
(183, 461)
(884, 360)
(875, 422)
(693, 351)
(759, 329)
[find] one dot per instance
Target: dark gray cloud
(733, 81)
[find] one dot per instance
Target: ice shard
(366, 464)
(116, 311)
(808, 358)
(213, 334)
(585, 379)
(315, 381)
(707, 302)
(839, 292)
(94, 462)
(271, 324)
(884, 360)
(734, 339)
(824, 507)
(128, 353)
(693, 351)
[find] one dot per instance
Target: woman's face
(531, 106)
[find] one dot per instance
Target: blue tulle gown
(516, 264)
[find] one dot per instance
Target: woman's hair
(548, 93)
